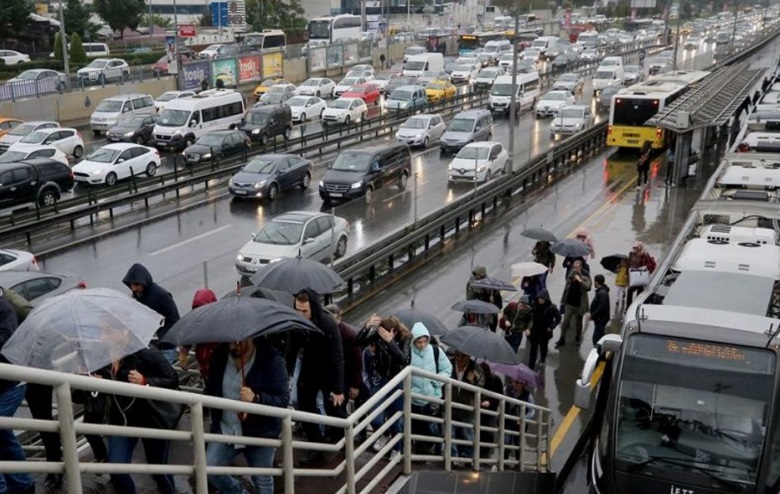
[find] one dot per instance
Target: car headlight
(206, 156)
(177, 132)
(97, 172)
(481, 169)
(256, 131)
(129, 134)
(449, 167)
(260, 184)
(230, 183)
(275, 260)
(356, 185)
(239, 257)
(322, 184)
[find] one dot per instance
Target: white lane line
(189, 240)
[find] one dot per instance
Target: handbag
(638, 277)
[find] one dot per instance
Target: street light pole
(513, 97)
(676, 44)
(64, 39)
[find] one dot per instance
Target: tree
(77, 53)
(58, 46)
(14, 17)
(157, 20)
(77, 16)
(275, 14)
(206, 20)
(120, 14)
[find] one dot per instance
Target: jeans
(10, 449)
(171, 355)
(392, 408)
(120, 450)
(539, 347)
(514, 340)
(599, 328)
(461, 450)
(220, 455)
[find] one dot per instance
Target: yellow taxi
(439, 90)
(266, 85)
(8, 124)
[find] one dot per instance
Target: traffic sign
(187, 30)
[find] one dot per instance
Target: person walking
(519, 391)
(545, 318)
(203, 351)
(465, 370)
(492, 383)
(353, 357)
(484, 294)
(599, 308)
(517, 318)
(621, 287)
(575, 303)
(145, 290)
(643, 166)
(638, 259)
(544, 256)
(669, 181)
(251, 371)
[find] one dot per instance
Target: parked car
(40, 179)
(633, 74)
(346, 83)
(273, 99)
(321, 87)
(368, 92)
(345, 111)
(304, 108)
(37, 286)
(136, 128)
(7, 125)
(267, 175)
(162, 101)
(19, 130)
(421, 130)
(552, 102)
(11, 57)
(310, 234)
(570, 120)
(18, 260)
(67, 140)
(217, 144)
(477, 161)
(572, 82)
(264, 86)
(113, 162)
(33, 152)
(264, 122)
(282, 87)
(102, 70)
(367, 74)
(45, 80)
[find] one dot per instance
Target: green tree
(77, 16)
(275, 14)
(14, 17)
(57, 46)
(157, 20)
(120, 14)
(206, 20)
(77, 53)
(513, 7)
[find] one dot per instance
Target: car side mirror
(582, 391)
(193, 123)
(120, 160)
(252, 235)
(308, 240)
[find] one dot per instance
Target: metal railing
(531, 449)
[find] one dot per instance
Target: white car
(488, 158)
(367, 74)
(101, 70)
(466, 61)
(464, 73)
(421, 130)
(571, 81)
(168, 96)
(345, 110)
(282, 88)
(11, 57)
(487, 76)
(381, 80)
(211, 51)
(552, 102)
(31, 152)
(533, 55)
(18, 260)
(346, 83)
(67, 140)
(590, 55)
(304, 108)
(320, 87)
(571, 119)
(505, 60)
(116, 161)
(21, 130)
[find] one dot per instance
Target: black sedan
(137, 129)
(564, 61)
(216, 145)
(268, 174)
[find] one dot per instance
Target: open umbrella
(480, 343)
(612, 263)
(570, 247)
(518, 372)
(236, 319)
(296, 273)
(523, 269)
(283, 298)
(493, 284)
(475, 307)
(82, 331)
(411, 316)
(540, 234)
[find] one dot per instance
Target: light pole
(513, 97)
(64, 43)
(676, 44)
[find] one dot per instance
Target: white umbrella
(523, 269)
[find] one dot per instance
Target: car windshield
(210, 140)
(277, 89)
(415, 123)
(272, 97)
(349, 81)
(104, 155)
(571, 113)
(608, 63)
(462, 67)
(309, 82)
(260, 166)
(604, 74)
(383, 77)
(22, 130)
(631, 69)
(357, 90)
(173, 118)
(270, 82)
(256, 118)
(98, 64)
(297, 101)
(109, 106)
(35, 137)
(352, 161)
(461, 125)
(532, 52)
(501, 90)
(10, 156)
(568, 78)
(553, 96)
(340, 104)
(507, 57)
(472, 153)
(27, 75)
(489, 74)
(280, 233)
(401, 95)
(212, 48)
(167, 96)
(437, 85)
(132, 122)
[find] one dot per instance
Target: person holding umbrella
(251, 371)
(484, 294)
(203, 351)
(575, 302)
(467, 371)
(599, 308)
(519, 390)
(545, 318)
(517, 318)
(353, 360)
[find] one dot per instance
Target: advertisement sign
(249, 68)
(350, 53)
(273, 65)
(187, 30)
(334, 56)
(219, 13)
(317, 59)
(364, 52)
(194, 73)
(224, 70)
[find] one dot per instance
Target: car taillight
(156, 152)
(658, 132)
(34, 261)
(78, 134)
(71, 175)
(609, 130)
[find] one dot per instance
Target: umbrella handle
(242, 415)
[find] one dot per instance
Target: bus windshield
(633, 111)
(696, 407)
(319, 29)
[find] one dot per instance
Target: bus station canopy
(713, 101)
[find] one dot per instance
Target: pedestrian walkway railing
(496, 434)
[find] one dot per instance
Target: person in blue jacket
(430, 358)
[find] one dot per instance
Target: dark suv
(264, 122)
(360, 172)
(39, 179)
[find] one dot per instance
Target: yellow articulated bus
(635, 105)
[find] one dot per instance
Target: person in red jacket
(203, 351)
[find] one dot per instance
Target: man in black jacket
(322, 366)
(599, 308)
(157, 298)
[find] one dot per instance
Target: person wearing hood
(545, 318)
(599, 308)
(517, 318)
(575, 302)
(322, 366)
(145, 290)
(203, 351)
(429, 358)
(485, 295)
(544, 256)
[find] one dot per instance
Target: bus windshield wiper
(685, 462)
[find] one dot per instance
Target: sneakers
(380, 443)
(394, 455)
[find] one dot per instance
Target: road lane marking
(189, 240)
(574, 411)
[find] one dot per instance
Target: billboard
(317, 59)
(194, 73)
(249, 68)
(224, 70)
(273, 65)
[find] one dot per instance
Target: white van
(544, 43)
(108, 112)
(93, 50)
(417, 64)
(607, 76)
(498, 47)
(184, 120)
(501, 92)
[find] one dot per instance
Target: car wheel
(403, 181)
(303, 117)
(78, 151)
(96, 133)
(139, 139)
(61, 87)
(341, 248)
(111, 179)
(273, 192)
(364, 117)
(262, 139)
(426, 142)
(347, 120)
(48, 198)
(306, 181)
(369, 194)
(151, 169)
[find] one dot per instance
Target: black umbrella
(475, 307)
(540, 234)
(296, 273)
(283, 298)
(236, 319)
(570, 247)
(493, 284)
(411, 316)
(480, 343)
(612, 263)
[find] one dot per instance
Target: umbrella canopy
(540, 234)
(570, 247)
(411, 316)
(523, 269)
(518, 372)
(612, 263)
(480, 343)
(283, 298)
(236, 319)
(475, 307)
(82, 331)
(493, 284)
(296, 273)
